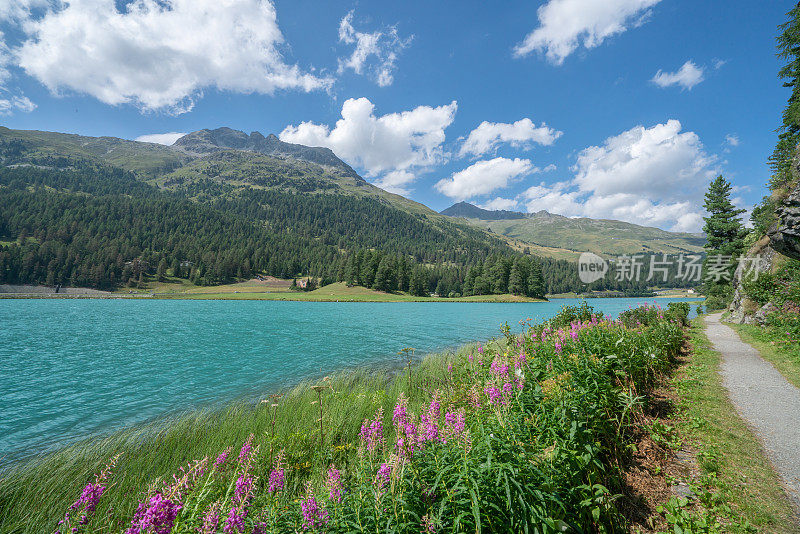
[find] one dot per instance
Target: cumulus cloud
(522, 133)
(374, 52)
(396, 182)
(565, 25)
(687, 76)
(160, 54)
(10, 103)
(381, 145)
(650, 176)
(168, 138)
(484, 177)
(500, 203)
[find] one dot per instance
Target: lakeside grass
(35, 494)
(774, 347)
(546, 456)
(737, 481)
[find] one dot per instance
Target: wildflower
(314, 516)
(372, 431)
(427, 525)
(276, 476)
(558, 346)
(382, 476)
(244, 454)
(244, 486)
(494, 394)
(235, 521)
(474, 397)
(211, 519)
(499, 368)
(222, 458)
(155, 515)
(334, 484)
(400, 415)
(450, 368)
(455, 423)
(89, 498)
(507, 388)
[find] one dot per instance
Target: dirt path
(764, 398)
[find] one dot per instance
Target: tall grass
(524, 434)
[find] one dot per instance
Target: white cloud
(9, 102)
(396, 182)
(384, 46)
(168, 138)
(564, 25)
(406, 141)
(16, 103)
(499, 203)
(522, 133)
(483, 177)
(719, 63)
(650, 176)
(732, 140)
(160, 54)
(687, 76)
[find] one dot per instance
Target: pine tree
(517, 278)
(789, 131)
(536, 285)
(723, 228)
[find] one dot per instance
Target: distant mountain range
(559, 236)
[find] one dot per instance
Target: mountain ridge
(581, 234)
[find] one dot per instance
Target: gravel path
(764, 398)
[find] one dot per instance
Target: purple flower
(314, 516)
(222, 458)
(235, 521)
(372, 431)
(155, 515)
(494, 394)
(244, 486)
(276, 476)
(499, 368)
(334, 484)
(210, 519)
(382, 476)
(244, 454)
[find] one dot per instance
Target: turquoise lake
(75, 368)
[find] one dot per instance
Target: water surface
(72, 368)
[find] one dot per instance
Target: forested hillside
(106, 213)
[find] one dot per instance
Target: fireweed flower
(372, 431)
(314, 516)
(89, 498)
(156, 515)
(334, 484)
(244, 454)
(382, 476)
(244, 487)
(494, 394)
(222, 458)
(276, 476)
(427, 525)
(211, 519)
(235, 521)
(499, 368)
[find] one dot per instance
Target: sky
(619, 109)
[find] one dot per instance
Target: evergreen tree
(725, 241)
(517, 278)
(789, 131)
(723, 228)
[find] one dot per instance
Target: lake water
(72, 368)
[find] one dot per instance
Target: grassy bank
(523, 433)
(736, 483)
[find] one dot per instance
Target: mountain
(207, 141)
(100, 211)
(552, 234)
(470, 211)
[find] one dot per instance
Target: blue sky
(604, 108)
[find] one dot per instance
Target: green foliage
(788, 44)
(524, 435)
